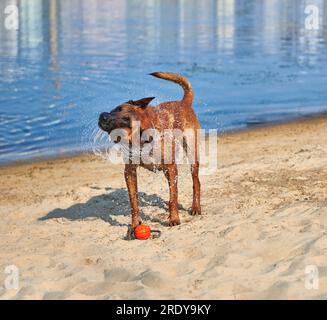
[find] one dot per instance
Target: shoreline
(221, 133)
(263, 222)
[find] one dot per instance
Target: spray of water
(96, 141)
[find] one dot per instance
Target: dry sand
(264, 220)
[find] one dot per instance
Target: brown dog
(168, 115)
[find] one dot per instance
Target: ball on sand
(142, 232)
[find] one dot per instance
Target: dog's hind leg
(191, 147)
(196, 206)
(131, 182)
(171, 174)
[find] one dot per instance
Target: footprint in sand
(101, 288)
(26, 291)
(56, 295)
(117, 275)
(153, 279)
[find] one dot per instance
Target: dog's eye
(126, 119)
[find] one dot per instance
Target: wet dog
(168, 115)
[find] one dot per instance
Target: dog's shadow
(109, 205)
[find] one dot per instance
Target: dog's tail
(177, 78)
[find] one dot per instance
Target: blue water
(249, 62)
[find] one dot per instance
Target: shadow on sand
(107, 206)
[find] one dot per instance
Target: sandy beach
(264, 221)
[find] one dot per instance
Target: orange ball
(142, 232)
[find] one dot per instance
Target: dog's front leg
(171, 174)
(131, 182)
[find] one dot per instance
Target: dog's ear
(143, 103)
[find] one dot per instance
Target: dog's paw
(196, 211)
(129, 234)
(174, 222)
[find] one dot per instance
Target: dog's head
(122, 116)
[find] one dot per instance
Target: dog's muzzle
(105, 121)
